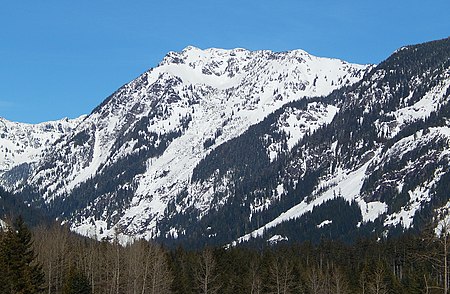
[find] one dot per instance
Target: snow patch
(277, 239)
(324, 223)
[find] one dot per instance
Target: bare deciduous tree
(316, 281)
(339, 284)
(256, 283)
(52, 246)
(281, 279)
(436, 240)
(377, 284)
(206, 274)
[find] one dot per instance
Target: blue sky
(62, 58)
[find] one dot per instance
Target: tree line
(56, 260)
(51, 259)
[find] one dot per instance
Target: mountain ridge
(222, 92)
(22, 142)
(215, 146)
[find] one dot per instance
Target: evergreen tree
(77, 283)
(19, 270)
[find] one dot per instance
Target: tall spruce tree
(20, 271)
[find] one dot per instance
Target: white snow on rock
(222, 91)
(324, 223)
(296, 123)
(345, 184)
(421, 109)
(421, 194)
(3, 225)
(21, 142)
(277, 239)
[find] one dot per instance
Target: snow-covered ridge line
(192, 96)
(24, 142)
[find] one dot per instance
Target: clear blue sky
(61, 58)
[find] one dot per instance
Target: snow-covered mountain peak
(149, 135)
(226, 69)
(177, 113)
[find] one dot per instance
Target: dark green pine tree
(19, 270)
(77, 283)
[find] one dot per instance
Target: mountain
(121, 168)
(232, 146)
(21, 146)
(381, 166)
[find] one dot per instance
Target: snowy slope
(20, 142)
(151, 133)
(387, 149)
(240, 98)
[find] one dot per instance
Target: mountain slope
(12, 206)
(123, 164)
(384, 152)
(23, 144)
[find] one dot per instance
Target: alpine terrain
(22, 143)
(227, 146)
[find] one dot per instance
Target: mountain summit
(121, 167)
